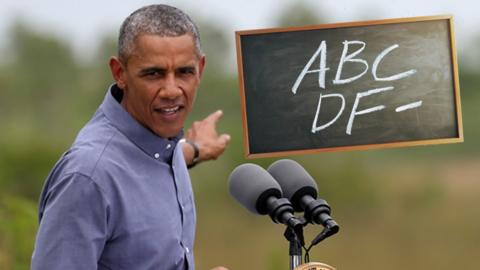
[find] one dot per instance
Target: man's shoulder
(95, 144)
(87, 150)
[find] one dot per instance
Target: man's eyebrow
(187, 68)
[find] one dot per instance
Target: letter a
(322, 68)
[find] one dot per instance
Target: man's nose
(171, 89)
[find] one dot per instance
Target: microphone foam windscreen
(294, 180)
(251, 186)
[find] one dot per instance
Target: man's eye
(152, 74)
(187, 71)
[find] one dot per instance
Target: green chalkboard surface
(349, 86)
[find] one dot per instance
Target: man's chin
(170, 133)
(169, 126)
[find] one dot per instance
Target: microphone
(300, 188)
(255, 189)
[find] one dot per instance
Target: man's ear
(118, 71)
(201, 65)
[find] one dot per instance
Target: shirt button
(187, 249)
(157, 155)
(169, 146)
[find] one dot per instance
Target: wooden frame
(449, 18)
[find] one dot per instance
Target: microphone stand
(294, 235)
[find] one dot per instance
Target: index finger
(214, 117)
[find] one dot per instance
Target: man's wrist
(196, 153)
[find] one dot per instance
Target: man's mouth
(169, 110)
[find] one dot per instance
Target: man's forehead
(182, 40)
(149, 45)
(164, 45)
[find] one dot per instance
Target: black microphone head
(251, 186)
(294, 180)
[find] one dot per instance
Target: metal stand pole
(295, 247)
(295, 252)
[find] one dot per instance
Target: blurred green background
(408, 208)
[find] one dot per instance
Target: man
(120, 197)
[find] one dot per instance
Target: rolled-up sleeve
(73, 225)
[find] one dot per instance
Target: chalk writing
(314, 125)
(350, 58)
(410, 106)
(323, 59)
(373, 109)
(393, 77)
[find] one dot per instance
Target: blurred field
(409, 208)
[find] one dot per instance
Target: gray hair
(162, 20)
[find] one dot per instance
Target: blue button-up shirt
(119, 198)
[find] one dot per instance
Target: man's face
(160, 79)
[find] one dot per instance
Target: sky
(83, 22)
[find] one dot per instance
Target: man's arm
(203, 135)
(73, 227)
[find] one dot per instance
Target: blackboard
(349, 86)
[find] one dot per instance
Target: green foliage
(216, 51)
(17, 231)
(24, 166)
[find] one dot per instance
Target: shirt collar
(155, 146)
